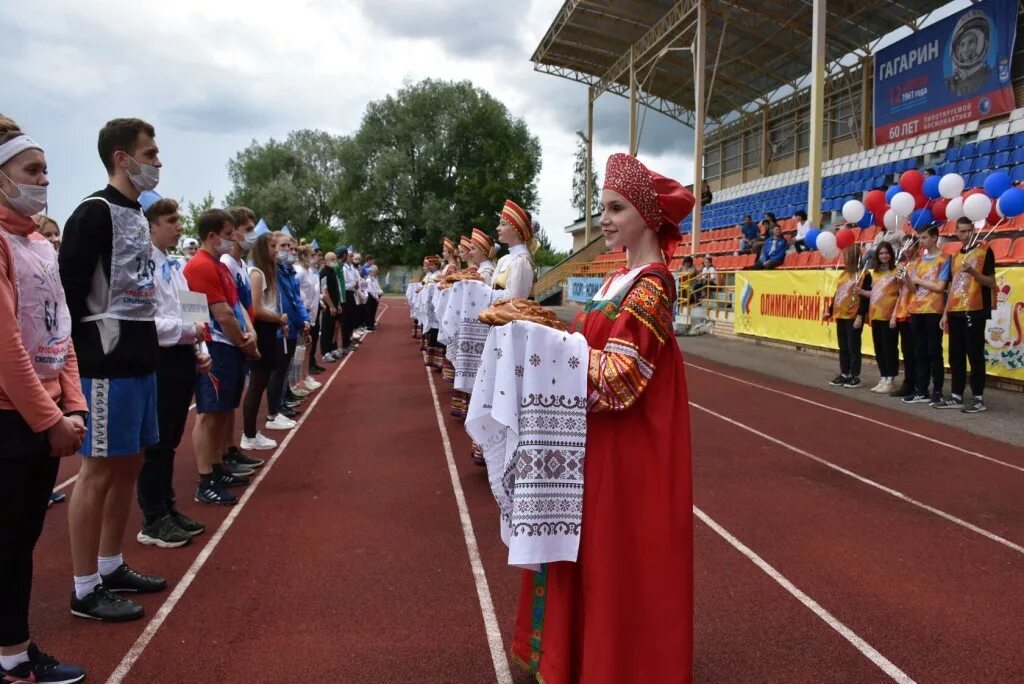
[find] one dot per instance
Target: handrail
(568, 266)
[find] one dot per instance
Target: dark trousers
(928, 350)
(371, 312)
(327, 323)
(907, 349)
(314, 335)
(278, 384)
(27, 476)
(766, 265)
(887, 351)
(849, 347)
(349, 318)
(800, 245)
(967, 344)
(175, 386)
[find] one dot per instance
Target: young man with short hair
(163, 524)
(774, 250)
(233, 340)
(802, 226)
(971, 275)
(330, 292)
(108, 274)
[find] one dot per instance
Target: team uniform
(926, 307)
(968, 308)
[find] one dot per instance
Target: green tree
(190, 212)
(579, 183)
(436, 159)
(546, 255)
(292, 181)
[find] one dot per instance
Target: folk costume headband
(449, 245)
(661, 201)
(482, 240)
(517, 217)
(465, 241)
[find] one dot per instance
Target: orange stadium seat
(1017, 251)
(868, 234)
(790, 260)
(951, 248)
(1001, 250)
(801, 260)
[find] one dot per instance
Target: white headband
(12, 148)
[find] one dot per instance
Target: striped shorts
(122, 415)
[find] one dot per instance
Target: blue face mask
(282, 257)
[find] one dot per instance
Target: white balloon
(955, 208)
(977, 207)
(999, 208)
(853, 211)
(951, 185)
(827, 245)
(903, 204)
(891, 221)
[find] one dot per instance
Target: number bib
(42, 310)
(132, 289)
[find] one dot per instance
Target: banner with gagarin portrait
(954, 71)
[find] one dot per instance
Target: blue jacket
(774, 250)
(290, 297)
(750, 230)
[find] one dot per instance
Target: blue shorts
(122, 415)
(221, 389)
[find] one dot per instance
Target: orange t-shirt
(923, 300)
(885, 291)
(847, 300)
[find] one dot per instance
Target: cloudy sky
(213, 76)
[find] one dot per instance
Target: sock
(9, 662)
(85, 585)
(957, 397)
(979, 398)
(108, 564)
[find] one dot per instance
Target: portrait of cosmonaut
(968, 52)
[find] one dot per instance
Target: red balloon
(912, 181)
(973, 191)
(939, 209)
(920, 201)
(875, 202)
(845, 238)
(993, 216)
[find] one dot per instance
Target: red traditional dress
(624, 611)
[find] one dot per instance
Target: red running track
(890, 557)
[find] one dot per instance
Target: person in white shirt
(481, 252)
(349, 306)
(515, 272)
(708, 278)
(307, 270)
(802, 226)
(182, 353)
(373, 293)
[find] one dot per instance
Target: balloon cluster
(922, 201)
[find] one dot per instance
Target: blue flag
(261, 228)
(314, 244)
(147, 198)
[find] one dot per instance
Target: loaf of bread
(520, 310)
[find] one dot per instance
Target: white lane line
(137, 649)
(66, 483)
(992, 536)
(483, 591)
(880, 423)
(866, 649)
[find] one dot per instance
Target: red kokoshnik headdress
(661, 201)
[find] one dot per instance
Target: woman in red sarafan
(624, 611)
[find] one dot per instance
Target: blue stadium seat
(1001, 158)
(983, 162)
(969, 150)
(949, 167)
(985, 147)
(1017, 156)
(1018, 173)
(1003, 142)
(953, 154)
(964, 166)
(1017, 140)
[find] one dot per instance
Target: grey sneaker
(164, 533)
(977, 406)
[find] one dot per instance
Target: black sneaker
(234, 455)
(210, 492)
(104, 605)
(42, 669)
(127, 580)
(315, 370)
(838, 380)
(163, 532)
(916, 398)
(852, 383)
(903, 391)
(288, 411)
(953, 402)
(936, 400)
(976, 406)
(226, 478)
(238, 469)
(192, 527)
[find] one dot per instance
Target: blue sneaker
(43, 669)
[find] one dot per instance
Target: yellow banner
(788, 306)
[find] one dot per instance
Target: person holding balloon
(971, 277)
(849, 306)
(924, 277)
(900, 320)
(883, 294)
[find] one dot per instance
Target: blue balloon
(891, 192)
(997, 183)
(1011, 202)
(867, 220)
(931, 187)
(921, 219)
(811, 238)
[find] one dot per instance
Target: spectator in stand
(929, 172)
(708, 278)
(687, 274)
(802, 226)
(219, 392)
(705, 194)
(48, 228)
(774, 250)
(42, 409)
(751, 241)
(849, 307)
(105, 267)
(163, 524)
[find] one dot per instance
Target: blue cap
(148, 198)
(261, 228)
(286, 231)
(314, 244)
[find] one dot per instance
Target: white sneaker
(312, 384)
(300, 391)
(878, 388)
(260, 441)
(280, 422)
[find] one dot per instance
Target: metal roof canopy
(761, 46)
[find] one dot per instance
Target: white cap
(190, 242)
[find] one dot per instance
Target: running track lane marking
(483, 591)
(137, 649)
(992, 536)
(864, 647)
(865, 418)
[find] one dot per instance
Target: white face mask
(31, 198)
(248, 241)
(225, 246)
(147, 178)
(292, 258)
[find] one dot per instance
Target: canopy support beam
(817, 114)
